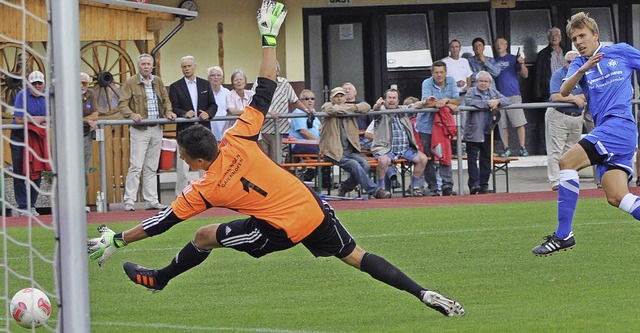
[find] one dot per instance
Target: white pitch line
(202, 328)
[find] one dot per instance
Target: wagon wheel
(109, 66)
(12, 71)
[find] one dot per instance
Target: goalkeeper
(282, 210)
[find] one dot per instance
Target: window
(465, 26)
(529, 30)
(408, 41)
(603, 17)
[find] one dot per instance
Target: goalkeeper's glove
(103, 247)
(270, 17)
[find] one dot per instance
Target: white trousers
(144, 156)
(561, 133)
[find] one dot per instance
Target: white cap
(36, 76)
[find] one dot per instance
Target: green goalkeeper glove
(270, 17)
(104, 246)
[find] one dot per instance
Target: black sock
(382, 270)
(189, 257)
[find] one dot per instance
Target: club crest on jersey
(612, 63)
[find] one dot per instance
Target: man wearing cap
(340, 144)
(30, 107)
(144, 96)
(89, 125)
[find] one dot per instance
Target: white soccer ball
(30, 307)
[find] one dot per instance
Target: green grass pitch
(478, 254)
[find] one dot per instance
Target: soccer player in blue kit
(605, 75)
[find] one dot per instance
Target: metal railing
(103, 123)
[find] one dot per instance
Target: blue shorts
(615, 140)
(408, 155)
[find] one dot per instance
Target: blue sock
(631, 204)
(568, 193)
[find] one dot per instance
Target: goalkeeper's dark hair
(198, 142)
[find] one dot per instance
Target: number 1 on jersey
(246, 185)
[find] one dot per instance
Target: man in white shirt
(458, 67)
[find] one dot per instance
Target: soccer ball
(30, 307)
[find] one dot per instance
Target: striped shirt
(152, 99)
(283, 95)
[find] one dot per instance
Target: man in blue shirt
(480, 62)
(604, 73)
(563, 125)
(30, 107)
(437, 91)
(507, 84)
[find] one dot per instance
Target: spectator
(340, 144)
(239, 97)
(300, 129)
(563, 125)
(299, 126)
(480, 62)
(144, 96)
(191, 97)
(216, 76)
(507, 84)
(438, 91)
(30, 108)
(548, 60)
(458, 67)
(478, 129)
(89, 125)
(364, 119)
(393, 139)
(283, 96)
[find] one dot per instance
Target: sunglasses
(309, 99)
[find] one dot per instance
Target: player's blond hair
(581, 20)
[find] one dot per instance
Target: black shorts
(258, 238)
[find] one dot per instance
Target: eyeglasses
(309, 99)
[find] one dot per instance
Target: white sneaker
(155, 206)
(129, 207)
(30, 212)
(87, 209)
(442, 304)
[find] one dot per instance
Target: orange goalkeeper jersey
(244, 179)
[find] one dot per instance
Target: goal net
(43, 227)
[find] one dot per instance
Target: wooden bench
(501, 165)
(296, 167)
(405, 167)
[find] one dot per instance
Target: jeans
(19, 185)
(358, 169)
(479, 178)
(431, 169)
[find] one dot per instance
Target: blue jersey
(507, 81)
(424, 124)
(607, 86)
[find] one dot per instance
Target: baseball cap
(36, 76)
(337, 90)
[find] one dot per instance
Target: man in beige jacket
(144, 96)
(340, 144)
